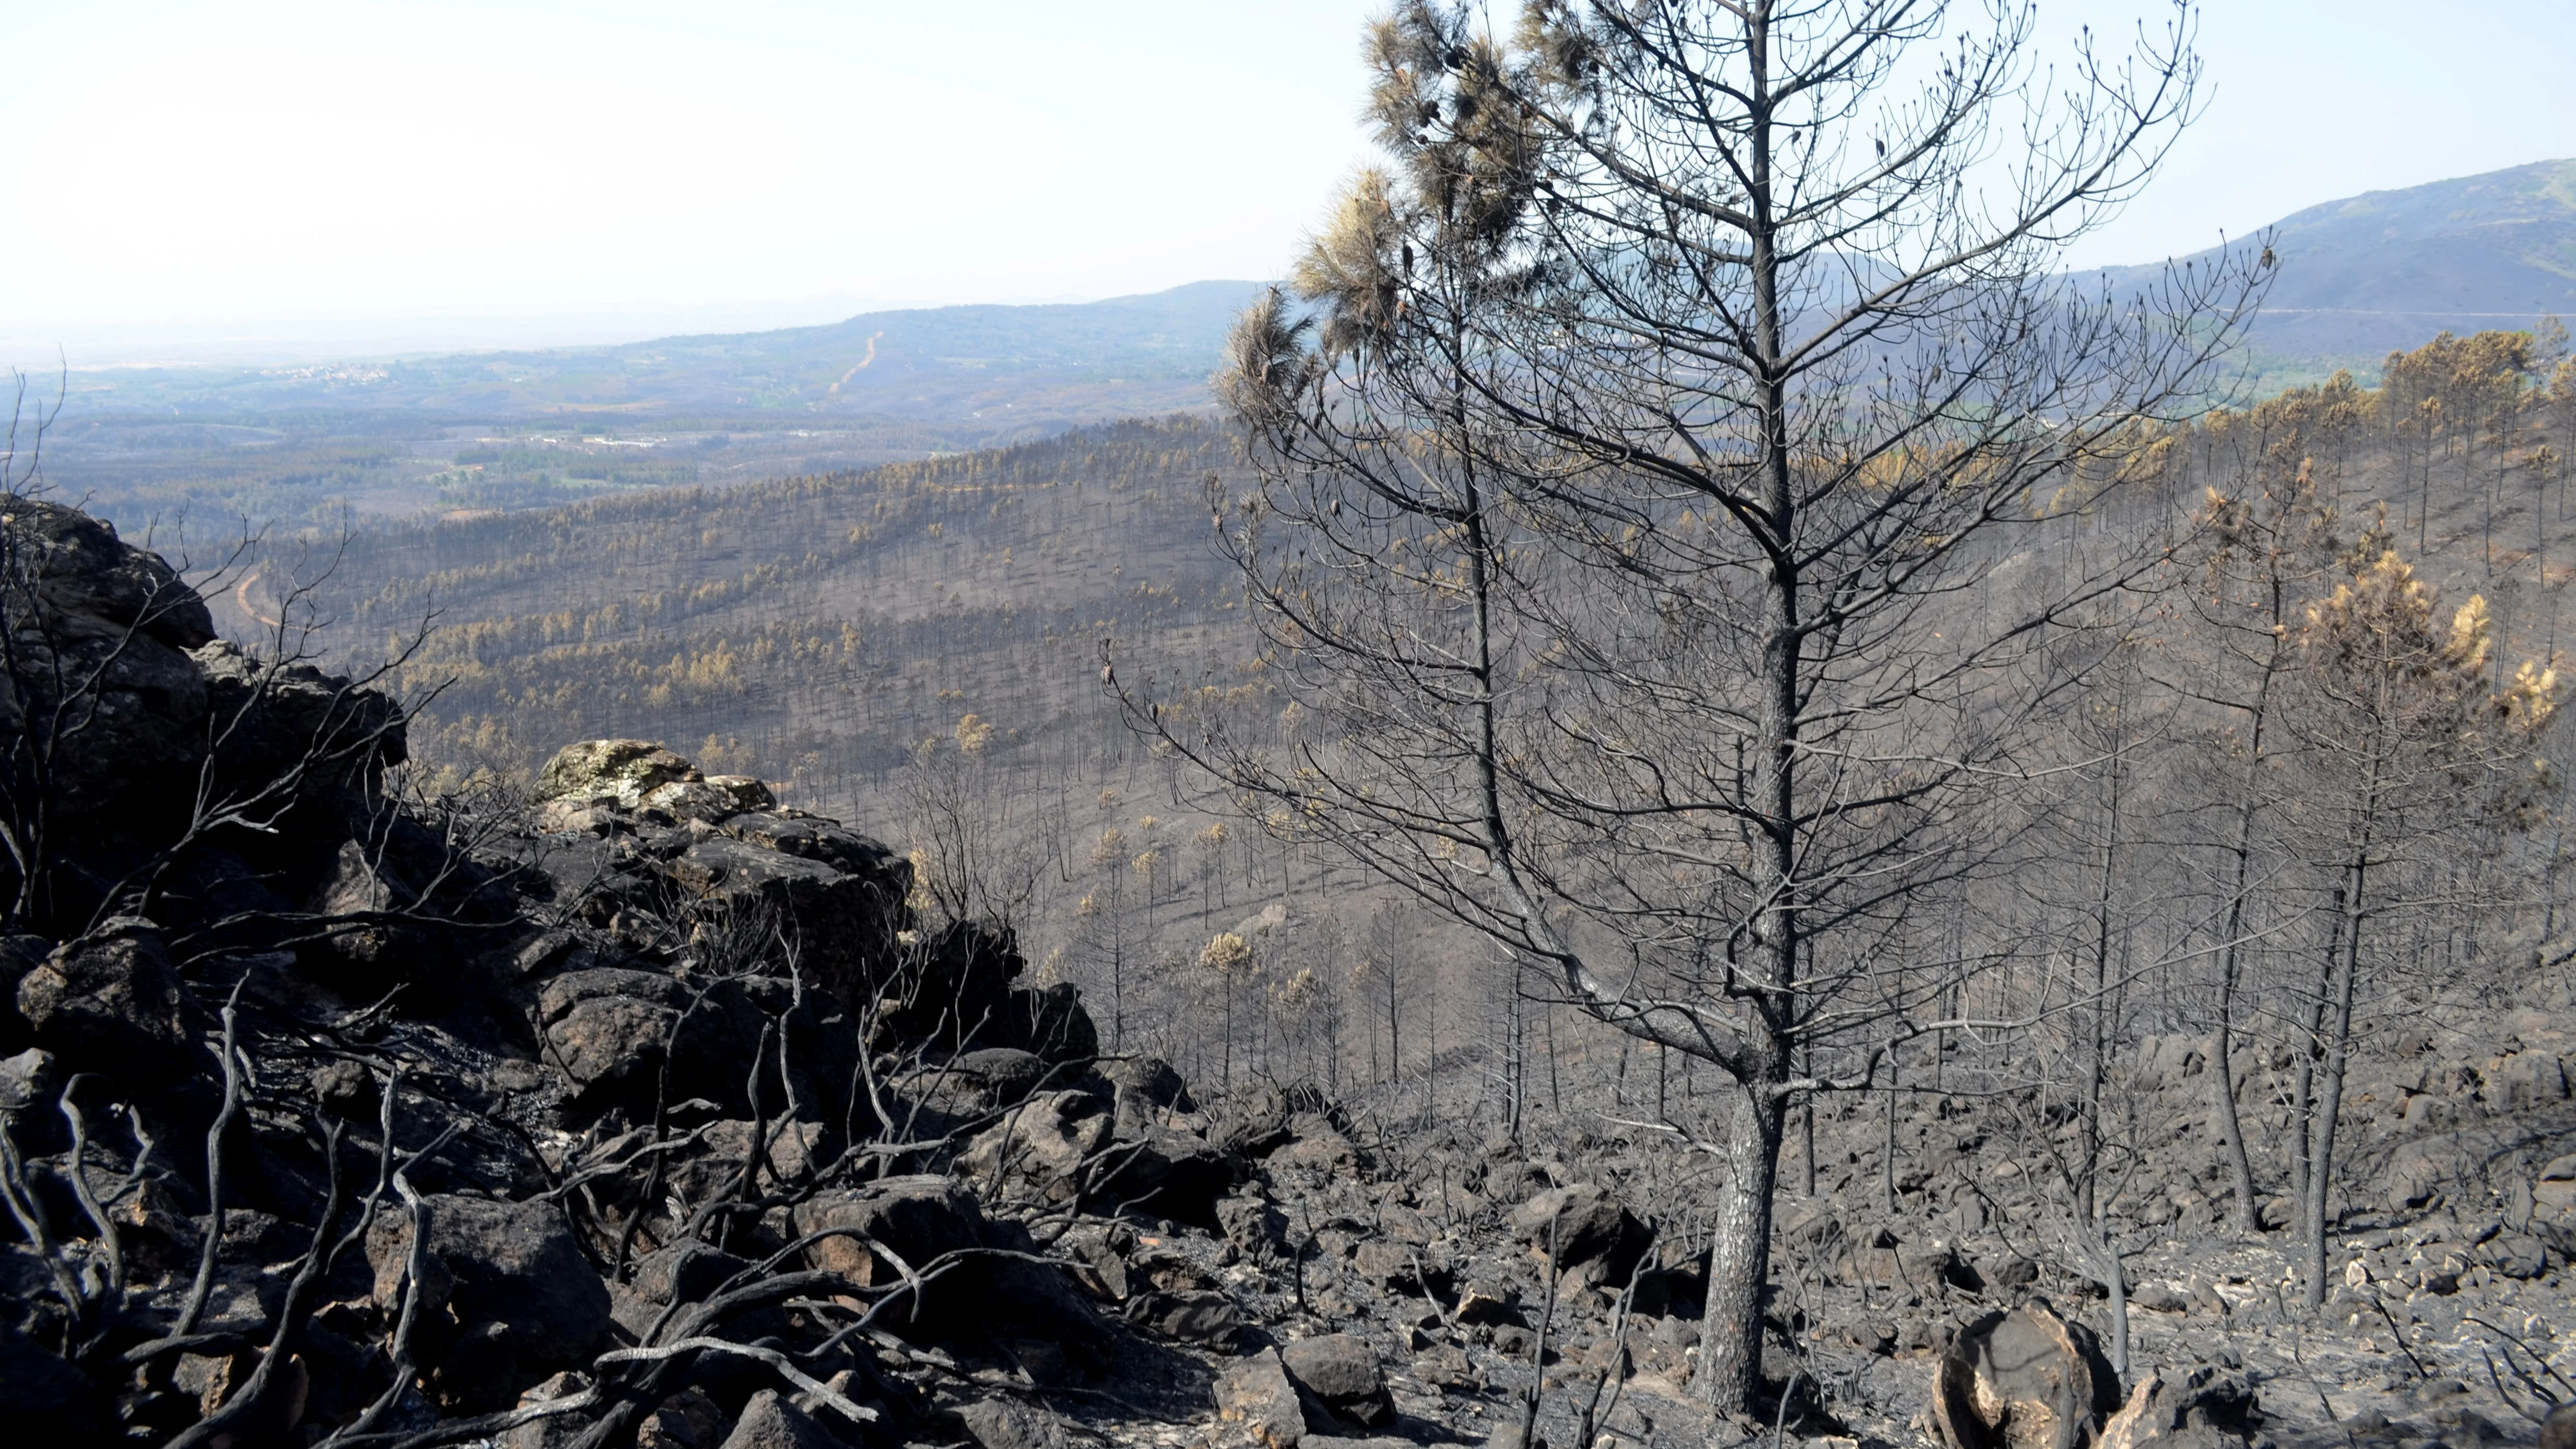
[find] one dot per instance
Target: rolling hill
(2372, 274)
(476, 432)
(943, 365)
(512, 430)
(819, 626)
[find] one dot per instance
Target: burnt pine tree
(2266, 543)
(1650, 468)
(2413, 757)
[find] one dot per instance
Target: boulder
(1676, 1292)
(690, 1419)
(357, 881)
(1254, 1391)
(1808, 1224)
(1099, 1251)
(1931, 1267)
(684, 1272)
(917, 1218)
(1002, 1294)
(712, 1050)
(1003, 1424)
(620, 1034)
(1252, 1224)
(1342, 1374)
(609, 1029)
(476, 1368)
(112, 1001)
(612, 772)
(2522, 1081)
(29, 1081)
(1149, 1079)
(726, 872)
(20, 954)
(1447, 1366)
(2558, 1431)
(2422, 1168)
(1163, 1266)
(1484, 1301)
(2517, 1255)
(44, 1400)
(2168, 1061)
(111, 621)
(2026, 1379)
(712, 801)
(749, 792)
(1408, 1268)
(1040, 1147)
(141, 735)
(843, 925)
(711, 1167)
(771, 1422)
(994, 1077)
(281, 717)
(557, 1431)
(2202, 1411)
(510, 1265)
(1255, 1121)
(1598, 1241)
(2160, 1298)
(954, 988)
(2012, 1272)
(1012, 1295)
(1051, 1022)
(828, 842)
(155, 693)
(162, 1238)
(1201, 1316)
(87, 579)
(1171, 1175)
(1315, 1143)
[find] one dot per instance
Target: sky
(360, 176)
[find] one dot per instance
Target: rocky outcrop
(734, 865)
(614, 772)
(641, 1057)
(151, 757)
(657, 1117)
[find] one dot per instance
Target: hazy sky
(182, 164)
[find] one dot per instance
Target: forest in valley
(918, 648)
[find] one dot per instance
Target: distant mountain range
(2358, 278)
(1053, 364)
(2386, 270)
(515, 429)
(480, 431)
